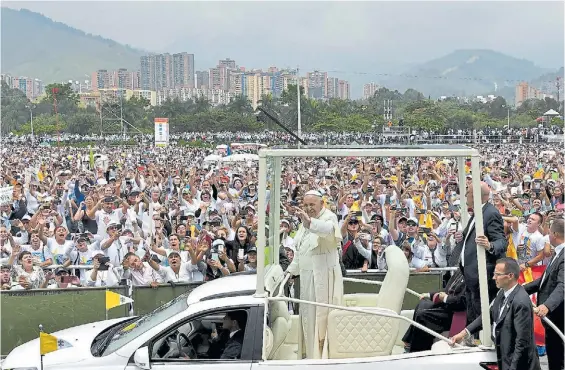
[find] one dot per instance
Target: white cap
(314, 192)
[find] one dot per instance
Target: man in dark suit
(512, 318)
(436, 312)
(494, 242)
(235, 323)
(550, 296)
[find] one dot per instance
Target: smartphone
(294, 203)
(240, 253)
(220, 248)
(67, 279)
(385, 182)
(103, 262)
(215, 257)
(358, 214)
(425, 230)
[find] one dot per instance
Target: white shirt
(103, 219)
(504, 303)
(557, 251)
(186, 273)
(145, 276)
(116, 251)
(471, 225)
(528, 245)
(110, 277)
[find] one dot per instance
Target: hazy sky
(383, 37)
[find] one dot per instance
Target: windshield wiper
(104, 340)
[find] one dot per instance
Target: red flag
(536, 273)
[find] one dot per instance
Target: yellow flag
(511, 250)
(115, 300)
(355, 206)
(50, 343)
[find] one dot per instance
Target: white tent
(551, 113)
(212, 158)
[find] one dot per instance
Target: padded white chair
(360, 300)
(402, 328)
(355, 335)
(283, 347)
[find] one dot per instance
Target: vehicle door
(190, 344)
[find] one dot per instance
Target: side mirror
(141, 358)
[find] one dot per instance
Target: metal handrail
(376, 311)
(374, 282)
(431, 269)
(552, 325)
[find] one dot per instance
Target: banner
(161, 131)
(6, 196)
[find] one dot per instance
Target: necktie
(456, 254)
(434, 257)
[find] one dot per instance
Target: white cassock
(317, 263)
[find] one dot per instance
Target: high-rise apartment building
(183, 70)
(32, 88)
(100, 79)
(121, 78)
(254, 87)
(369, 90)
(333, 88)
(228, 63)
(343, 90)
(166, 71)
(317, 84)
(236, 82)
(202, 79)
(524, 92)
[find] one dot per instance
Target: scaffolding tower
(111, 110)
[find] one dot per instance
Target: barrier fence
(58, 309)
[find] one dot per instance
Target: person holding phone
(103, 273)
(63, 279)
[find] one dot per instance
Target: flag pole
(106, 307)
(40, 355)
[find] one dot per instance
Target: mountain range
(35, 46)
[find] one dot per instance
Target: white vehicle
(364, 334)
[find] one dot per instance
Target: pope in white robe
(317, 263)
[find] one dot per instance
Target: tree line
(410, 108)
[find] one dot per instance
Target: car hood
(80, 337)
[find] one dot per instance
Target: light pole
(30, 107)
(507, 115)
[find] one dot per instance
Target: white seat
(360, 300)
(285, 332)
(355, 335)
(402, 329)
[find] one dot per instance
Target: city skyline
(348, 37)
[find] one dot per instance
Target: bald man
(494, 242)
(317, 262)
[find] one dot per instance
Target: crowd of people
(149, 216)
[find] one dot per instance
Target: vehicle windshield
(140, 326)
